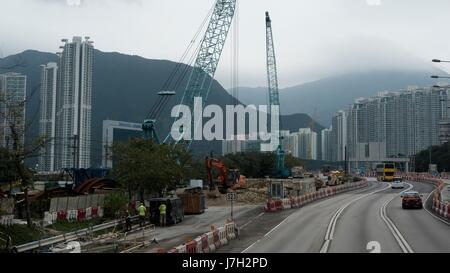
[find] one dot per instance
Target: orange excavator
(228, 179)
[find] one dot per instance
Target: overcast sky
(313, 38)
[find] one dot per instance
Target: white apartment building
(326, 139)
(12, 108)
(73, 104)
(302, 144)
(47, 116)
(393, 126)
(339, 136)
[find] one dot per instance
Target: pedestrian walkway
(195, 225)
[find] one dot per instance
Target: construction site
(214, 203)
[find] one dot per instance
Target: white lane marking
(246, 224)
(431, 213)
(332, 225)
(276, 227)
(265, 235)
(406, 248)
(252, 245)
(245, 250)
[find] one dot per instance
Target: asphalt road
(368, 220)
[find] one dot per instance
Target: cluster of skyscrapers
(65, 110)
(301, 144)
(392, 126)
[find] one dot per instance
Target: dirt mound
(251, 196)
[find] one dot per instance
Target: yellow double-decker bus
(385, 172)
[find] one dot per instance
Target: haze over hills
(321, 99)
(124, 88)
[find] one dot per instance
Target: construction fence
(76, 208)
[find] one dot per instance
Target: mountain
(321, 99)
(124, 88)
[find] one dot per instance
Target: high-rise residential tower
(12, 109)
(47, 120)
(73, 104)
(394, 126)
(326, 139)
(339, 136)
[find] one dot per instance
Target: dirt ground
(255, 194)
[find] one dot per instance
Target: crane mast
(208, 57)
(274, 97)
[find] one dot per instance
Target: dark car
(412, 199)
(174, 210)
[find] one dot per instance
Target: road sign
(231, 196)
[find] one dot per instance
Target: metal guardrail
(66, 237)
(151, 228)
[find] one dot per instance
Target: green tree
(440, 155)
(12, 111)
(115, 203)
(146, 167)
(7, 169)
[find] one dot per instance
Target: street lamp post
(437, 86)
(439, 61)
(439, 77)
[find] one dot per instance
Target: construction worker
(162, 214)
(142, 209)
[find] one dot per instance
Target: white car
(398, 184)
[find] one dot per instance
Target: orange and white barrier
(208, 242)
(286, 204)
(230, 231)
(299, 201)
(223, 236)
(198, 244)
(191, 247)
(205, 243)
(173, 250)
(212, 246)
(181, 249)
(441, 208)
(270, 206)
(216, 237)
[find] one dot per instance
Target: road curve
(424, 232)
(304, 230)
(360, 225)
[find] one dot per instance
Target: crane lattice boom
(274, 97)
(208, 57)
